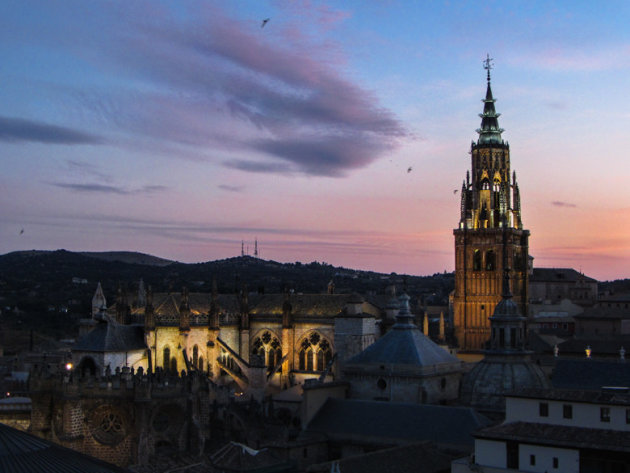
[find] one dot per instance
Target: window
(477, 260)
(167, 358)
(543, 410)
(490, 261)
(195, 359)
(567, 411)
(627, 416)
(532, 459)
(604, 414)
(555, 462)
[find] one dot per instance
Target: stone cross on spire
(487, 65)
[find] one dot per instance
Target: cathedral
(256, 343)
(490, 202)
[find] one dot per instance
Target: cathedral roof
(112, 337)
(24, 453)
(404, 344)
(167, 306)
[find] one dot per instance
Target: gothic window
(107, 425)
(201, 363)
(268, 347)
(496, 185)
(174, 365)
(167, 358)
(477, 260)
(490, 261)
(195, 359)
(315, 353)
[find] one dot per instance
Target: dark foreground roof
(389, 423)
(236, 457)
(616, 396)
(24, 453)
(112, 337)
(559, 436)
(421, 457)
(590, 374)
(559, 275)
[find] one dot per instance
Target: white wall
(490, 453)
(584, 414)
(568, 460)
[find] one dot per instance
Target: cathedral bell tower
(490, 201)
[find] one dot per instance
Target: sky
(337, 132)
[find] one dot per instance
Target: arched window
(195, 359)
(174, 365)
(166, 359)
(268, 348)
(201, 363)
(477, 260)
(490, 261)
(315, 353)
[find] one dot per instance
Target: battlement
(124, 383)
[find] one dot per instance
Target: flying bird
(409, 169)
(21, 231)
(264, 22)
(455, 191)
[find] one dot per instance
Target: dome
(485, 386)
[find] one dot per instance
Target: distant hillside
(128, 257)
(36, 280)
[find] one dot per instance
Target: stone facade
(124, 418)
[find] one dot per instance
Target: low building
(404, 365)
(555, 284)
(556, 430)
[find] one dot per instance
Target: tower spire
(489, 132)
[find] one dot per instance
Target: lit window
(604, 414)
(567, 411)
(543, 410)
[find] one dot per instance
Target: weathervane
(487, 65)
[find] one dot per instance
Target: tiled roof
(421, 457)
(24, 453)
(238, 457)
(404, 346)
(590, 374)
(576, 395)
(559, 436)
(112, 337)
(396, 423)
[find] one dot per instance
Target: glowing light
(588, 351)
(68, 366)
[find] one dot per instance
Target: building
(552, 285)
(404, 365)
(255, 342)
(556, 431)
(490, 200)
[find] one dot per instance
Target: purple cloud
(109, 189)
(18, 129)
(232, 85)
(559, 203)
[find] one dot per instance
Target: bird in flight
(264, 22)
(455, 191)
(21, 231)
(409, 169)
